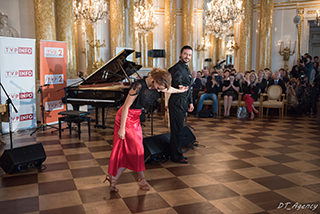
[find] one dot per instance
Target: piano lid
(112, 71)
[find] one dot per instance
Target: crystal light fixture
(90, 10)
(144, 18)
(221, 15)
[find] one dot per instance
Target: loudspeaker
(138, 54)
(157, 53)
(156, 147)
(22, 158)
(188, 137)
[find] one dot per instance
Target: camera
(303, 60)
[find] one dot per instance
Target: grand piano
(104, 87)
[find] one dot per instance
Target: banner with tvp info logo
(53, 77)
(17, 66)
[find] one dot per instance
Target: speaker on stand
(157, 53)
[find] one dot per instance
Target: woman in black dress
(230, 90)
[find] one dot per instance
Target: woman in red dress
(251, 90)
(128, 149)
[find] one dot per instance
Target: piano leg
(103, 126)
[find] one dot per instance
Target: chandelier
(90, 10)
(144, 18)
(221, 15)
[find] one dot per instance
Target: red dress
(129, 152)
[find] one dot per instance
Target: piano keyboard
(91, 100)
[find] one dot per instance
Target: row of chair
(272, 99)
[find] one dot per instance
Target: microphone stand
(9, 101)
(43, 124)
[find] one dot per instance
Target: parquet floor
(241, 166)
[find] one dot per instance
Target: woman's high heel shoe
(113, 183)
(144, 187)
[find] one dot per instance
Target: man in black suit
(180, 103)
(277, 81)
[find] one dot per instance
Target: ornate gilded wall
(170, 32)
(89, 50)
(245, 49)
(188, 25)
(45, 26)
(117, 28)
(65, 32)
(265, 34)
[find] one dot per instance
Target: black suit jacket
(280, 83)
(196, 84)
(181, 75)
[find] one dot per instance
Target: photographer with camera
(304, 91)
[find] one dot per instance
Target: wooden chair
(274, 100)
(235, 103)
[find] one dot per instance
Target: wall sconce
(203, 46)
(317, 21)
(286, 52)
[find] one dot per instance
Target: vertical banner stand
(9, 101)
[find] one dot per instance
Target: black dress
(230, 91)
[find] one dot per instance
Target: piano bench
(71, 116)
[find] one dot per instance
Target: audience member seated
(277, 81)
(233, 71)
(204, 77)
(262, 81)
(316, 59)
(212, 90)
(304, 95)
(246, 75)
(196, 86)
(250, 93)
(268, 74)
(230, 89)
(284, 75)
(240, 79)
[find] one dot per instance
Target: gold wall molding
(188, 25)
(170, 32)
(312, 12)
(149, 44)
(66, 32)
(245, 49)
(265, 34)
(117, 28)
(89, 49)
(301, 12)
(45, 26)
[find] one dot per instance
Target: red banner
(53, 76)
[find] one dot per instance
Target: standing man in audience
(277, 81)
(180, 103)
(309, 65)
